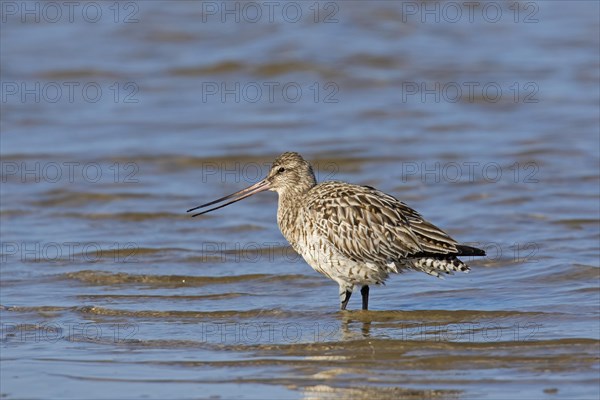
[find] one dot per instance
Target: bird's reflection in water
(355, 325)
(363, 392)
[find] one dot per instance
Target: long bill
(237, 196)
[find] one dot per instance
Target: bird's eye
(281, 169)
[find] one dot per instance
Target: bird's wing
(365, 224)
(432, 239)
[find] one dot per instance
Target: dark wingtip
(461, 250)
(464, 250)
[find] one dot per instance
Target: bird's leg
(364, 291)
(345, 294)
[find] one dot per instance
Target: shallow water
(109, 290)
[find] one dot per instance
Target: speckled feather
(369, 225)
(357, 235)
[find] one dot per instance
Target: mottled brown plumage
(355, 235)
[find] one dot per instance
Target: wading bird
(355, 235)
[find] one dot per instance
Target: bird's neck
(288, 211)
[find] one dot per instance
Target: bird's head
(289, 174)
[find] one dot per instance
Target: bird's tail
(446, 263)
(436, 265)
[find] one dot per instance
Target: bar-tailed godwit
(355, 235)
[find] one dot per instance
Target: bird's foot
(346, 298)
